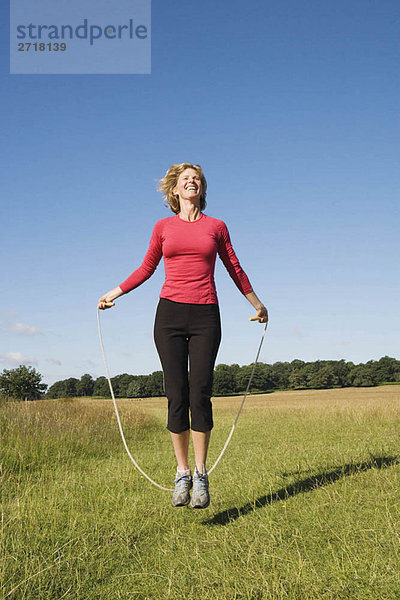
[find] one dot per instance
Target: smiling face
(188, 186)
(175, 178)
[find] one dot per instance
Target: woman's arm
(109, 297)
(234, 269)
(149, 264)
(231, 261)
(262, 313)
(146, 269)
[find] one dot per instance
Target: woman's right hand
(109, 297)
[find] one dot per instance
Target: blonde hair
(168, 183)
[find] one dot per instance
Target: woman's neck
(189, 211)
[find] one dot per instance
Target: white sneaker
(183, 485)
(200, 495)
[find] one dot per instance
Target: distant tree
(324, 377)
(85, 386)
(155, 384)
(263, 378)
(361, 376)
(137, 387)
(242, 377)
(224, 380)
(234, 367)
(280, 374)
(127, 386)
(386, 369)
(297, 364)
(298, 378)
(22, 383)
(341, 369)
(101, 387)
(121, 384)
(70, 387)
(67, 388)
(56, 390)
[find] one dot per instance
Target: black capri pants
(188, 331)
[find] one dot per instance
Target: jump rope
(109, 304)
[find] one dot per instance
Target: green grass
(305, 503)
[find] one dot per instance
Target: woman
(187, 323)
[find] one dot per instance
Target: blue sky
(292, 110)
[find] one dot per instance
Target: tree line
(298, 374)
(25, 382)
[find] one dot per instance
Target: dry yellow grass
(363, 399)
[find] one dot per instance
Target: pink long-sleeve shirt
(189, 249)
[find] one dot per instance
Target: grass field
(305, 503)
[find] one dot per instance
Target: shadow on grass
(304, 485)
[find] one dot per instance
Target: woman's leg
(200, 444)
(180, 442)
(204, 342)
(172, 345)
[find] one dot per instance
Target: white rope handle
(119, 420)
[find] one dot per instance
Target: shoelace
(182, 481)
(201, 482)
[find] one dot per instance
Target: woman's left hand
(262, 315)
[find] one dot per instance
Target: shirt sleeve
(149, 264)
(231, 262)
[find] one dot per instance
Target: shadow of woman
(304, 485)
